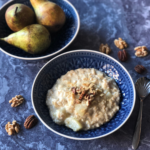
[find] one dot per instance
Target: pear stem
(16, 11)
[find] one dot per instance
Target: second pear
(49, 14)
(34, 39)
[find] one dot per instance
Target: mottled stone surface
(101, 22)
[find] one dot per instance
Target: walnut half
(120, 43)
(141, 51)
(16, 101)
(105, 48)
(12, 128)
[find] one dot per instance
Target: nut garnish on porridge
(83, 99)
(85, 94)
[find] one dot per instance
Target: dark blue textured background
(101, 22)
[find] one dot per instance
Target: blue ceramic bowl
(60, 40)
(59, 66)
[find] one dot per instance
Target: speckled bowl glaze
(60, 40)
(59, 66)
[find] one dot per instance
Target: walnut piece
(16, 101)
(121, 44)
(78, 90)
(78, 101)
(87, 103)
(12, 128)
(73, 90)
(105, 48)
(141, 51)
(82, 94)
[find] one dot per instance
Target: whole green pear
(49, 14)
(19, 16)
(33, 39)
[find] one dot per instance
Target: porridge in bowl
(83, 99)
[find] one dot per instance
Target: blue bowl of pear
(54, 39)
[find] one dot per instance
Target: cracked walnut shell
(12, 128)
(105, 48)
(141, 51)
(120, 43)
(16, 101)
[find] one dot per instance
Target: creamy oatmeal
(83, 99)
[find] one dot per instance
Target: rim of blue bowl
(74, 138)
(53, 54)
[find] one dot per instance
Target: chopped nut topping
(121, 44)
(78, 90)
(87, 97)
(141, 51)
(78, 101)
(87, 94)
(73, 90)
(105, 48)
(101, 95)
(91, 85)
(87, 103)
(12, 128)
(91, 98)
(16, 101)
(92, 91)
(82, 94)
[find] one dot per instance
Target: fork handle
(137, 132)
